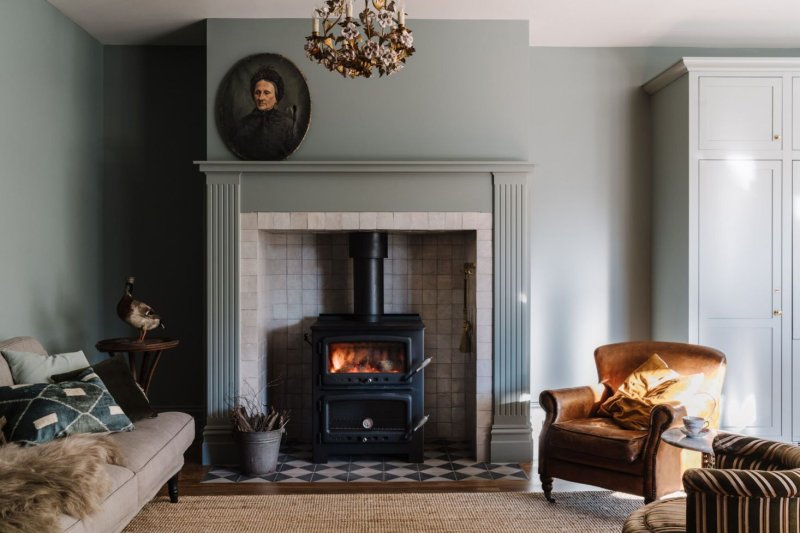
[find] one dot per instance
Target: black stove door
(366, 417)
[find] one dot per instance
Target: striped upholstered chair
(755, 487)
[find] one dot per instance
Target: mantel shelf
(374, 167)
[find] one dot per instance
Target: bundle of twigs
(249, 416)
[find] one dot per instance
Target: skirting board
(219, 448)
(511, 444)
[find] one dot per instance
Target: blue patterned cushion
(40, 412)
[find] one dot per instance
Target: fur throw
(39, 483)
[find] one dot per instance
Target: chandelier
(377, 39)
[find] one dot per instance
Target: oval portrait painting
(263, 108)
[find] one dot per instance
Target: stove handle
(421, 423)
(412, 373)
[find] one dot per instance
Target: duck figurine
(138, 314)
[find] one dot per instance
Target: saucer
(699, 435)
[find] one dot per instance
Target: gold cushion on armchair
(634, 413)
(649, 375)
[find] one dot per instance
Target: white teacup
(694, 424)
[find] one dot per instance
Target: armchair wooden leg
(547, 487)
(172, 488)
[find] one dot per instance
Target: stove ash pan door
(351, 418)
(366, 360)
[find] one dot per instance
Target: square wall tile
(265, 221)
(298, 221)
(281, 221)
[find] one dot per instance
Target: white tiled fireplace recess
(238, 318)
(294, 266)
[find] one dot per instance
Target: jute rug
(504, 512)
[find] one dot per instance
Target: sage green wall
(50, 178)
(591, 202)
(154, 205)
(463, 94)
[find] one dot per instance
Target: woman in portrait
(266, 133)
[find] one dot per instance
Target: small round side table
(703, 443)
(150, 348)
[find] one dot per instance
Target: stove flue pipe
(368, 250)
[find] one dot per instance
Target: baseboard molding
(219, 448)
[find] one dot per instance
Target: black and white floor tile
(444, 461)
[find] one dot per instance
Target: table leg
(132, 364)
(708, 460)
(149, 368)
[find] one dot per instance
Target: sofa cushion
(116, 374)
(119, 507)
(20, 344)
(154, 450)
(31, 367)
(41, 412)
(599, 437)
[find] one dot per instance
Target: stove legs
(319, 456)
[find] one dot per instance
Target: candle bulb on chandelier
(314, 25)
(401, 17)
(349, 12)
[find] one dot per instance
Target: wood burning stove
(368, 388)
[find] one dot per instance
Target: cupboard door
(739, 287)
(795, 115)
(796, 250)
(796, 290)
(740, 113)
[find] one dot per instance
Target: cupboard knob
(777, 312)
(777, 136)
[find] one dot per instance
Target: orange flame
(366, 358)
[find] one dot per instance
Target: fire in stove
(366, 358)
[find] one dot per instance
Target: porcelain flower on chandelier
(358, 44)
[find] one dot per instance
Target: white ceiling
(702, 23)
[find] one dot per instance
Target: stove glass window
(366, 357)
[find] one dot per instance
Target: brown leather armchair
(577, 444)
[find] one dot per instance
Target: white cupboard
(724, 227)
(740, 113)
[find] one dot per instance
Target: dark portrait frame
(257, 135)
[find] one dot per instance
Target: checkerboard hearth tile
(443, 462)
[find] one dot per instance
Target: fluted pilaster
(511, 428)
(222, 294)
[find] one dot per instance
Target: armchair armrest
(665, 416)
(752, 453)
(571, 403)
(662, 418)
(742, 483)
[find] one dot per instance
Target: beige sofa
(153, 456)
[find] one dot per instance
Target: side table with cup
(694, 435)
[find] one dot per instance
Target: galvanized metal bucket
(259, 451)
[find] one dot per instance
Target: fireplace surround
(487, 198)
